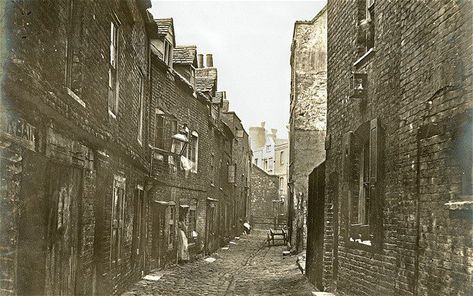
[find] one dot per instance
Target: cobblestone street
(248, 267)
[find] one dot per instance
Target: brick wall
(264, 189)
(34, 91)
(417, 78)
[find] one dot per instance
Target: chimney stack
(209, 61)
(200, 60)
(263, 124)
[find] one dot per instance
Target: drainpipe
(417, 213)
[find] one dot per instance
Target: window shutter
(375, 184)
(347, 156)
(346, 175)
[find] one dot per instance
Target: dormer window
(167, 53)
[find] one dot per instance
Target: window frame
(193, 151)
(74, 23)
(162, 140)
(141, 106)
(113, 81)
(365, 30)
(367, 232)
(281, 157)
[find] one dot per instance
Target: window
(168, 53)
(193, 150)
(363, 182)
(113, 69)
(118, 213)
(166, 127)
(265, 164)
(212, 169)
(281, 183)
(256, 161)
(281, 157)
(270, 164)
(140, 108)
(231, 173)
(365, 38)
(463, 153)
(74, 58)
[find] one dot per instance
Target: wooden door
(138, 230)
(160, 246)
(64, 192)
(315, 226)
(210, 237)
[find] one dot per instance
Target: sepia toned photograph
(232, 148)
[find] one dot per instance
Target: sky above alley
(250, 42)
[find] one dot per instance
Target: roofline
(263, 171)
(310, 22)
(172, 27)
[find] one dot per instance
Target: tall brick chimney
(200, 60)
(209, 63)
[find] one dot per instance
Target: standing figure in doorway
(183, 251)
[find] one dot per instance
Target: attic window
(167, 53)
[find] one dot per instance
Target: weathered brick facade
(308, 110)
(264, 193)
(83, 187)
(397, 210)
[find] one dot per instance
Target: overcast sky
(250, 42)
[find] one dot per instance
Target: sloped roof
(206, 79)
(166, 26)
(185, 55)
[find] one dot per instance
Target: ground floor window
(363, 182)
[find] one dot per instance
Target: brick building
(397, 186)
(271, 154)
(307, 120)
(264, 198)
(106, 145)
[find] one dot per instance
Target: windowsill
(365, 245)
(212, 185)
(462, 203)
(112, 114)
(359, 241)
(158, 149)
(364, 57)
(75, 97)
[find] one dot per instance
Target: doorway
(315, 226)
(64, 194)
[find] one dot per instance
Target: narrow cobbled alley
(245, 267)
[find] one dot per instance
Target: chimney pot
(200, 60)
(209, 61)
(263, 123)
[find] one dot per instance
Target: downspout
(417, 213)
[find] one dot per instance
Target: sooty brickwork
(399, 121)
(83, 194)
(264, 191)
